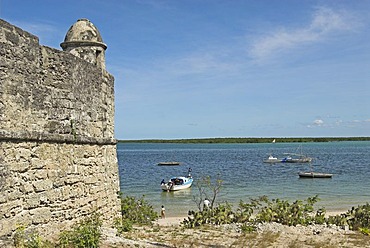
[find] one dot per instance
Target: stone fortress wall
(58, 159)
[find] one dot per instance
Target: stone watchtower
(84, 41)
(58, 157)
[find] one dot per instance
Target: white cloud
(36, 28)
(324, 22)
(339, 123)
(318, 122)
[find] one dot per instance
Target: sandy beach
(170, 221)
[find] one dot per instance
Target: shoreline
(240, 140)
(176, 220)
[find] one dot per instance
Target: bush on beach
(264, 210)
(355, 218)
(86, 233)
(134, 211)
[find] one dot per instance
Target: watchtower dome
(84, 41)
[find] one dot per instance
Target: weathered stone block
(20, 166)
(40, 215)
(24, 154)
(72, 179)
(41, 174)
(91, 180)
(53, 195)
(3, 198)
(32, 201)
(26, 188)
(42, 185)
(15, 194)
(65, 193)
(58, 182)
(8, 207)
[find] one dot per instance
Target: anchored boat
(297, 157)
(178, 183)
(271, 159)
(314, 175)
(172, 163)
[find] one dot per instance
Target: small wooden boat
(312, 174)
(169, 163)
(177, 183)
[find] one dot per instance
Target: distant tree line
(247, 140)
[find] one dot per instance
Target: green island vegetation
(247, 140)
(137, 212)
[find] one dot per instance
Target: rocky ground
(266, 235)
(169, 233)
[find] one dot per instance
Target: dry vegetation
(224, 236)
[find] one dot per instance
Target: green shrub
(320, 217)
(222, 214)
(134, 211)
(25, 239)
(276, 210)
(360, 217)
(365, 231)
(123, 225)
(248, 228)
(245, 210)
(86, 234)
(355, 218)
(138, 211)
(286, 213)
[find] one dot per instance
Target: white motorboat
(177, 183)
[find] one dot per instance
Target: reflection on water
(178, 194)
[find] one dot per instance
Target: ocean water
(244, 174)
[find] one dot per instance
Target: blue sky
(224, 68)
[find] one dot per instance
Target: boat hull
(272, 161)
(296, 160)
(168, 163)
(314, 175)
(175, 187)
(301, 159)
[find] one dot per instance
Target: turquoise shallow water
(245, 175)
